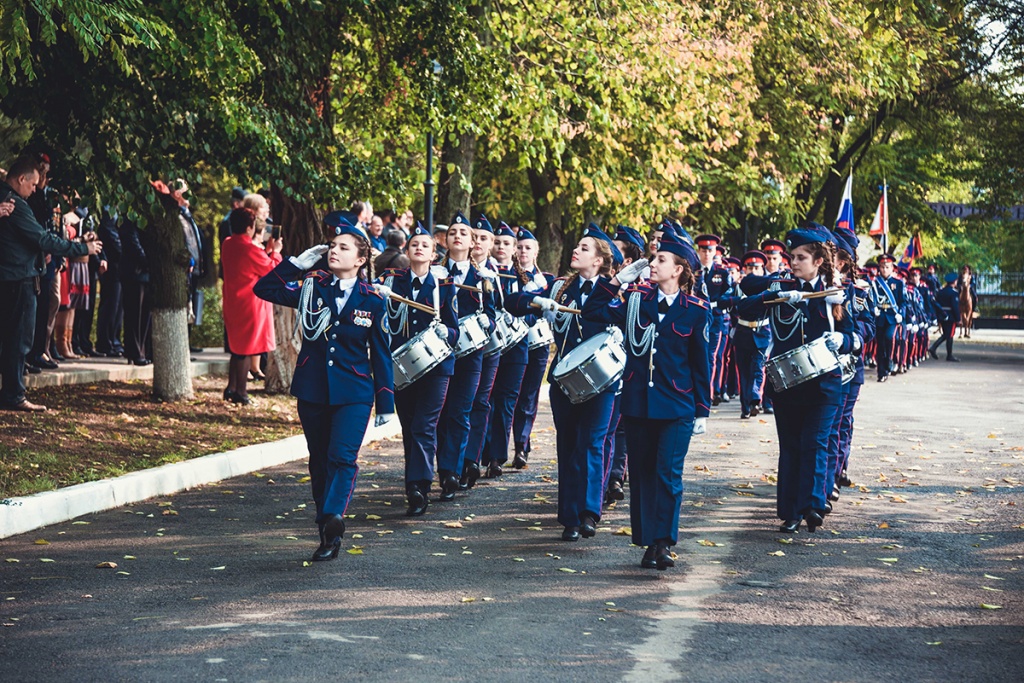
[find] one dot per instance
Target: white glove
(381, 420)
(857, 343)
(551, 317)
(645, 274)
(538, 284)
(486, 273)
(899, 318)
(913, 329)
(308, 258)
(439, 272)
(832, 299)
(631, 272)
(545, 304)
(791, 297)
(700, 425)
(616, 333)
(834, 341)
(383, 290)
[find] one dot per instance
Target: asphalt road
(212, 584)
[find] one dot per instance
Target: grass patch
(106, 429)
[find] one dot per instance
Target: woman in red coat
(248, 320)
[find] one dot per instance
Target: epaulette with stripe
(697, 300)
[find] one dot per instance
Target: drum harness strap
(400, 313)
(562, 320)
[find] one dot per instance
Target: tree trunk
(455, 187)
(551, 226)
(168, 290)
(301, 228)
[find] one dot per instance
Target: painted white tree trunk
(172, 368)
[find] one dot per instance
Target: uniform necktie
(808, 287)
(455, 271)
(417, 283)
(587, 288)
(663, 306)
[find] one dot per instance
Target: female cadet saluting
(419, 404)
(804, 413)
(336, 381)
(527, 249)
(580, 428)
(453, 425)
(666, 392)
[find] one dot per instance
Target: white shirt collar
(814, 282)
(662, 296)
(346, 284)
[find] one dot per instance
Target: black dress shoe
(142, 362)
(648, 561)
(32, 369)
(113, 354)
(588, 526)
(615, 490)
(228, 394)
(843, 479)
(494, 471)
(755, 408)
(952, 359)
(470, 473)
(334, 527)
(327, 551)
(744, 416)
(241, 399)
(418, 502)
(663, 557)
(828, 509)
(725, 398)
(769, 410)
(55, 354)
(835, 492)
(813, 519)
(449, 485)
(41, 362)
(716, 400)
(931, 352)
(519, 461)
(790, 526)
(883, 378)
(195, 349)
(571, 533)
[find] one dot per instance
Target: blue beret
(420, 230)
(672, 243)
(624, 233)
(801, 236)
(525, 234)
(459, 219)
(841, 241)
(598, 234)
(505, 230)
(850, 236)
(950, 278)
(344, 223)
(482, 223)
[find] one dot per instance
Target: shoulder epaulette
(697, 300)
(367, 288)
(319, 274)
(393, 272)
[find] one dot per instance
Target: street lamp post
(428, 185)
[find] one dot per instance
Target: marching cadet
(719, 294)
(806, 410)
(343, 368)
(947, 309)
(419, 404)
(890, 298)
(512, 361)
(480, 414)
(666, 387)
(731, 384)
(527, 250)
(453, 425)
(751, 342)
(580, 428)
(859, 308)
(773, 250)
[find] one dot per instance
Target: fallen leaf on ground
(453, 525)
(125, 573)
(778, 553)
(12, 559)
(373, 516)
(107, 565)
(987, 606)
(987, 588)
(567, 570)
(624, 531)
(438, 554)
(217, 569)
(997, 578)
(41, 541)
(468, 600)
(883, 525)
(786, 541)
(45, 559)
(888, 560)
(354, 551)
(937, 642)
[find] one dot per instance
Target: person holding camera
(248, 319)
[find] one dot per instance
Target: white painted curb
(19, 515)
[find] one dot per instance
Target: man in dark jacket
(21, 263)
(393, 256)
(111, 310)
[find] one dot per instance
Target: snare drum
(591, 367)
(472, 333)
(420, 355)
(499, 336)
(848, 364)
(517, 332)
(801, 364)
(540, 335)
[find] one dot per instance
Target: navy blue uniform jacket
(679, 384)
(335, 368)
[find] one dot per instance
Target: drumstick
(468, 288)
(410, 302)
(811, 295)
(507, 276)
(561, 309)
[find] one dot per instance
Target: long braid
(563, 294)
(524, 279)
(826, 252)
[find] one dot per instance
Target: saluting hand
(309, 258)
(632, 272)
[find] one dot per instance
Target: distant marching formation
(643, 338)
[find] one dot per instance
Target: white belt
(714, 304)
(752, 325)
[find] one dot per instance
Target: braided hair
(686, 278)
(826, 251)
(524, 279)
